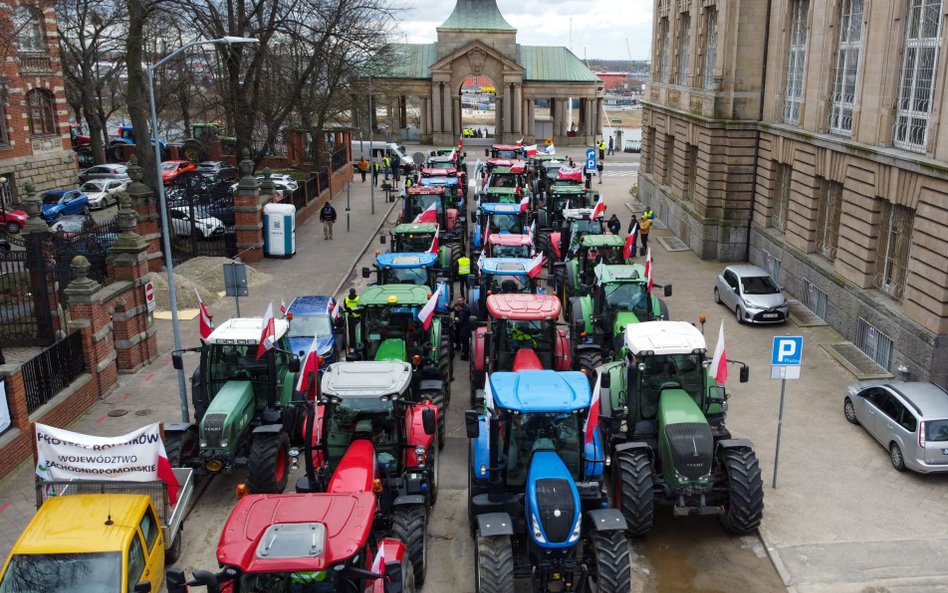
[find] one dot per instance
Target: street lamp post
(162, 202)
(371, 149)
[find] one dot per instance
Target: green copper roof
(405, 60)
(554, 64)
(476, 14)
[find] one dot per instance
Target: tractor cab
(505, 151)
(413, 237)
(558, 199)
(418, 269)
(500, 195)
(564, 241)
(502, 276)
(510, 245)
(454, 190)
(419, 200)
(591, 251)
(501, 219)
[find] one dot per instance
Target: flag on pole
(628, 251)
(533, 230)
(486, 231)
(268, 333)
(551, 149)
(434, 242)
(488, 394)
(531, 150)
(430, 214)
(648, 271)
(206, 319)
(453, 154)
(719, 360)
(461, 143)
(599, 209)
(283, 307)
(427, 312)
(524, 201)
(310, 365)
(520, 142)
(592, 418)
(536, 266)
(480, 259)
(332, 309)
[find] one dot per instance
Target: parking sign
(590, 165)
(788, 350)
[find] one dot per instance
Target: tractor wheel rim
(280, 470)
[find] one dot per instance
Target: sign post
(785, 362)
(235, 282)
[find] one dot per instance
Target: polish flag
(524, 201)
(453, 155)
(520, 142)
(592, 418)
(628, 251)
(599, 210)
(531, 150)
(461, 143)
(434, 242)
(429, 215)
(567, 173)
(719, 360)
(268, 334)
(166, 474)
(427, 312)
(486, 231)
(283, 307)
(648, 271)
(536, 266)
(533, 230)
(332, 310)
(206, 319)
(310, 365)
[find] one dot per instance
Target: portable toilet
(279, 230)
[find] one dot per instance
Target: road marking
(4, 506)
(620, 173)
(149, 377)
(101, 418)
(126, 396)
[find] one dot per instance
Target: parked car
(103, 193)
(752, 294)
(909, 419)
(311, 317)
(171, 169)
(72, 225)
(103, 172)
(222, 170)
(62, 202)
(201, 226)
(12, 221)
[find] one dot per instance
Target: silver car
(909, 419)
(751, 293)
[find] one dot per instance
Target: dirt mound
(203, 274)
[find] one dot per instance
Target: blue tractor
(502, 218)
(502, 275)
(536, 502)
(420, 269)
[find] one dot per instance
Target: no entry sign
(150, 296)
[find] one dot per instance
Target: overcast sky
(600, 27)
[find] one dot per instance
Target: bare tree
(138, 109)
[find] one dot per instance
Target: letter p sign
(788, 350)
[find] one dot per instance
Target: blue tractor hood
(553, 507)
(540, 391)
(496, 208)
(400, 261)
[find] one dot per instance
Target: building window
(875, 344)
(793, 96)
(831, 207)
(668, 154)
(663, 57)
(847, 66)
(781, 197)
(917, 80)
(691, 171)
(814, 299)
(684, 43)
(40, 109)
(28, 23)
(895, 237)
(710, 45)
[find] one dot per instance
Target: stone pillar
(499, 124)
(33, 206)
(248, 213)
(91, 316)
(532, 118)
(517, 111)
(448, 107)
(425, 115)
(296, 146)
(598, 119)
(456, 117)
(268, 188)
(438, 110)
(147, 223)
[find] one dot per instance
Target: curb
(775, 559)
(365, 248)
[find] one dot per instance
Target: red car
(13, 220)
(171, 169)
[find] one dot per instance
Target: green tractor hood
(392, 349)
(623, 318)
(686, 443)
(228, 415)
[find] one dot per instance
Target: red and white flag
(533, 230)
(453, 155)
(434, 242)
(268, 333)
(520, 142)
(524, 201)
(719, 360)
(536, 266)
(429, 215)
(283, 307)
(206, 319)
(531, 150)
(480, 258)
(592, 418)
(486, 231)
(648, 271)
(427, 312)
(628, 250)
(570, 173)
(599, 209)
(461, 143)
(332, 309)
(310, 366)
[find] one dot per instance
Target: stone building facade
(34, 126)
(805, 137)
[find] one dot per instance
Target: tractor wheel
(173, 552)
(850, 412)
(633, 477)
(444, 364)
(437, 398)
(433, 463)
(575, 312)
(588, 361)
(745, 506)
(269, 463)
(410, 526)
(493, 564)
(613, 569)
(455, 254)
(180, 447)
(543, 245)
(408, 577)
(559, 280)
(477, 382)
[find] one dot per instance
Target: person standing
(363, 168)
(375, 172)
(462, 327)
(599, 171)
(351, 305)
(645, 224)
(462, 271)
(612, 147)
(327, 215)
(602, 149)
(614, 225)
(387, 166)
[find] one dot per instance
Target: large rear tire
(588, 361)
(493, 564)
(437, 398)
(456, 251)
(173, 552)
(745, 506)
(444, 363)
(613, 569)
(180, 447)
(269, 463)
(633, 478)
(410, 526)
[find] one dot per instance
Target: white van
(380, 149)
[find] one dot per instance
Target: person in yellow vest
(387, 165)
(602, 149)
(351, 305)
(463, 270)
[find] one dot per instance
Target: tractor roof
(439, 181)
(395, 294)
(509, 240)
(492, 208)
(621, 273)
(498, 162)
(507, 191)
(540, 391)
(506, 146)
(570, 189)
(577, 213)
(511, 266)
(442, 158)
(403, 261)
(310, 305)
(416, 228)
(245, 330)
(425, 190)
(438, 171)
(514, 168)
(663, 337)
(295, 532)
(602, 241)
(366, 378)
(524, 307)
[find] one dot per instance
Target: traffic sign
(788, 350)
(591, 153)
(150, 302)
(590, 165)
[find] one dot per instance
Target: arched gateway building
(476, 41)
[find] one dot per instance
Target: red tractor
(303, 543)
(521, 333)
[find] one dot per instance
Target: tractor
(389, 329)
(509, 245)
(418, 237)
(241, 406)
(662, 416)
(448, 213)
(575, 276)
(521, 333)
(453, 190)
(501, 276)
(326, 543)
(536, 502)
(576, 224)
(419, 269)
(505, 151)
(502, 218)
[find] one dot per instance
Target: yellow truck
(98, 537)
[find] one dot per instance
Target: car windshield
(169, 166)
(510, 251)
(626, 296)
(505, 223)
(91, 186)
(759, 285)
(307, 326)
(416, 276)
(936, 430)
(685, 371)
(537, 431)
(100, 572)
(208, 166)
(412, 243)
(51, 198)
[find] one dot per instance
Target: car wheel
(895, 456)
(13, 228)
(86, 210)
(849, 410)
(738, 315)
(717, 296)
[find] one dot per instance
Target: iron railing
(52, 370)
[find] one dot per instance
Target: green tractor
(242, 406)
(417, 237)
(576, 275)
(662, 417)
(389, 329)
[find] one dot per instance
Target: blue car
(311, 317)
(62, 202)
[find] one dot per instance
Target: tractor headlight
(225, 442)
(420, 454)
(573, 537)
(537, 534)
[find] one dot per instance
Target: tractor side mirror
(142, 587)
(464, 154)
(428, 421)
(177, 361)
(393, 577)
(175, 580)
(382, 240)
(471, 424)
(206, 578)
(293, 365)
(366, 272)
(745, 373)
(474, 217)
(668, 290)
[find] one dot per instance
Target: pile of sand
(206, 275)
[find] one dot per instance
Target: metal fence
(340, 159)
(52, 370)
(89, 238)
(202, 220)
(876, 345)
(26, 281)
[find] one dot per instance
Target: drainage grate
(860, 365)
(145, 412)
(802, 316)
(117, 412)
(673, 244)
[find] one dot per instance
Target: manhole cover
(117, 412)
(860, 365)
(802, 316)
(673, 244)
(143, 413)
